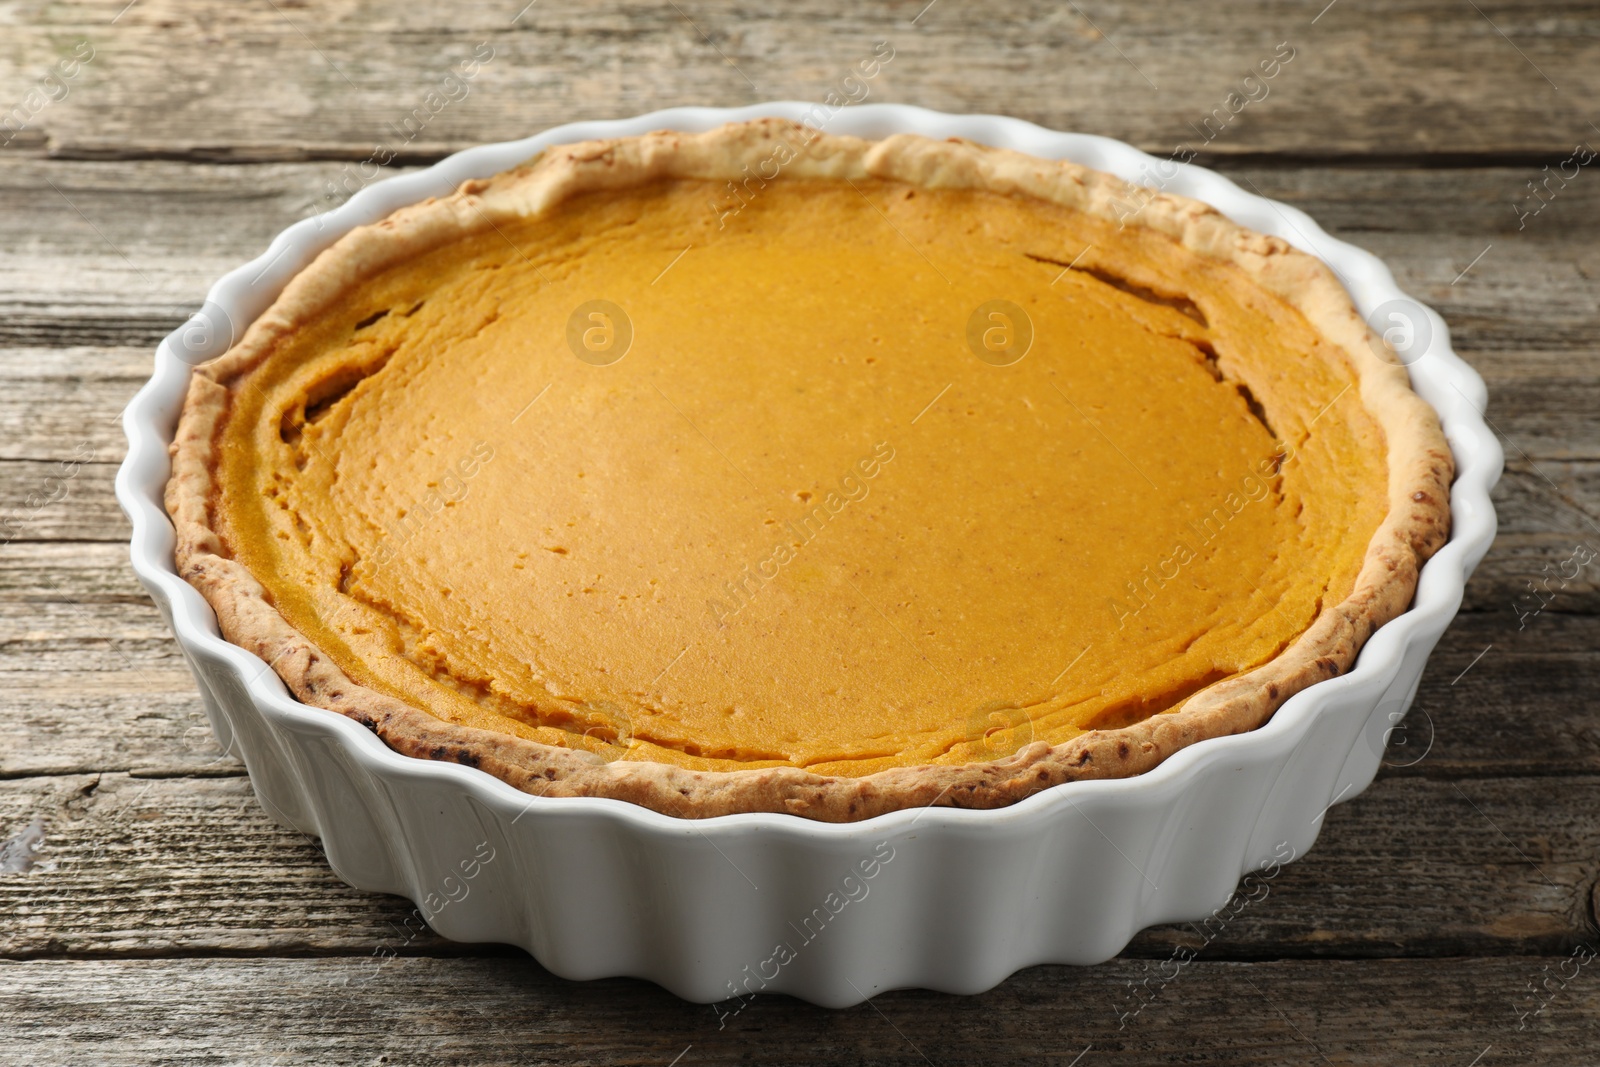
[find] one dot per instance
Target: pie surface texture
(768, 470)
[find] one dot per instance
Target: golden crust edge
(1420, 469)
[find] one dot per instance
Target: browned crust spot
(1420, 469)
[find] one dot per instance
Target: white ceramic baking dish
(715, 910)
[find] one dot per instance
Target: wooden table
(149, 911)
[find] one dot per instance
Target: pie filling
(861, 475)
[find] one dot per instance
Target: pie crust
(1419, 469)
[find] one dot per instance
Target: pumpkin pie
(769, 470)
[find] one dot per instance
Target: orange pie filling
(860, 476)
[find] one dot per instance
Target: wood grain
(93, 681)
(63, 404)
(163, 917)
(184, 865)
(427, 1011)
(120, 253)
(291, 82)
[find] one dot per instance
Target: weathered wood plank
(152, 236)
(60, 500)
(1544, 402)
(1540, 496)
(1494, 201)
(98, 260)
(1417, 79)
(60, 404)
(64, 404)
(1545, 506)
(93, 681)
(1497, 700)
(99, 685)
(67, 728)
(155, 206)
(79, 574)
(426, 1011)
(90, 677)
(1413, 867)
(102, 687)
